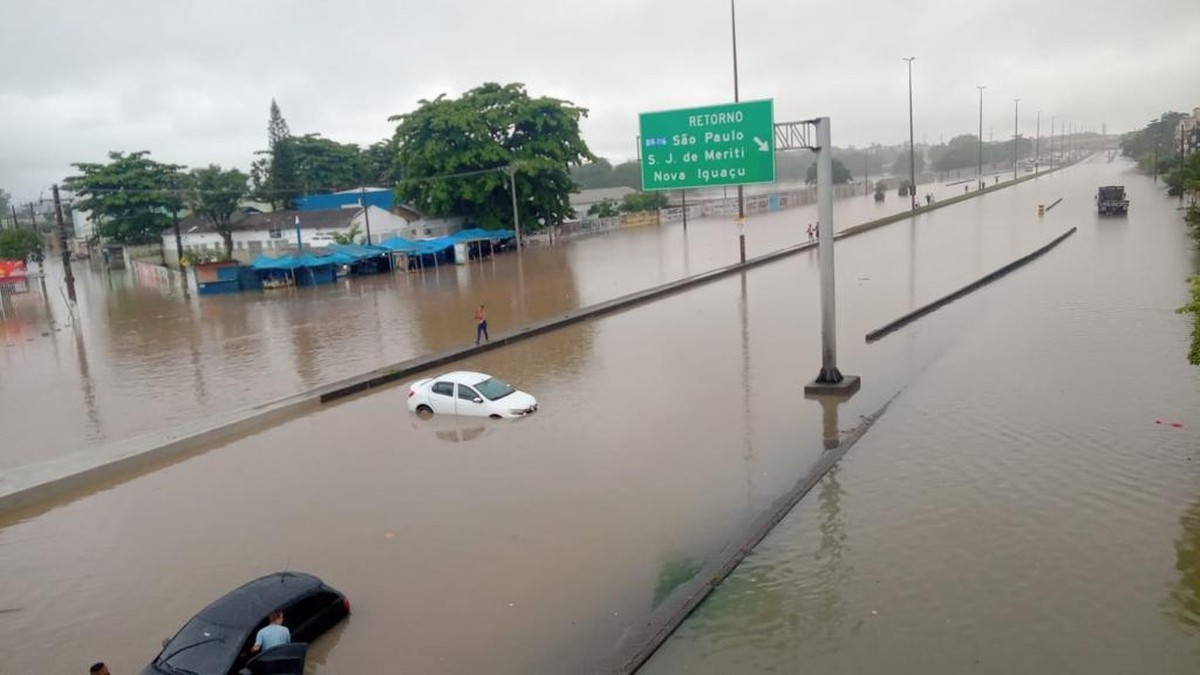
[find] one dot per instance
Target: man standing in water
(481, 325)
(272, 635)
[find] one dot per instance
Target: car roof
(465, 377)
(246, 605)
(212, 638)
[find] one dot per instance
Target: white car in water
(466, 393)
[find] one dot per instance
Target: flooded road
(1024, 506)
(535, 546)
(134, 360)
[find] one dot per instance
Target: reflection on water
(158, 356)
(1185, 597)
(1017, 509)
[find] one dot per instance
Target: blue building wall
(381, 198)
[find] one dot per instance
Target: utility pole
(62, 241)
(512, 185)
(175, 225)
(16, 225)
(33, 215)
(741, 221)
(1037, 144)
(912, 148)
(1016, 134)
(683, 198)
(981, 87)
(366, 211)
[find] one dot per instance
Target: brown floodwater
(1026, 505)
(131, 359)
(481, 546)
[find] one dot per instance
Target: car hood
(518, 400)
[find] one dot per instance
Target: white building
(256, 233)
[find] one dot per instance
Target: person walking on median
(481, 325)
(272, 635)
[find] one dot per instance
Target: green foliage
(351, 236)
(602, 174)
(606, 208)
(214, 193)
(479, 134)
(323, 165)
(901, 168)
(1156, 139)
(130, 197)
(637, 202)
(1193, 308)
(840, 173)
(275, 172)
(378, 164)
(19, 244)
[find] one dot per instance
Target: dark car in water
(217, 641)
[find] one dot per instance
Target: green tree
(605, 208)
(215, 193)
(1156, 139)
(351, 236)
(324, 165)
(5, 201)
(452, 154)
(960, 153)
(638, 202)
(274, 173)
(378, 164)
(900, 166)
(19, 244)
(129, 197)
(602, 174)
(840, 173)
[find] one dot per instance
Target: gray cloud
(192, 81)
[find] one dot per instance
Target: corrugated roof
(281, 220)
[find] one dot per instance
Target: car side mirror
(478, 400)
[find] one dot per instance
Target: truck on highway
(1110, 200)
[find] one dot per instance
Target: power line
(403, 181)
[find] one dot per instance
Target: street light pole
(912, 148)
(981, 87)
(1037, 144)
(741, 221)
(1016, 134)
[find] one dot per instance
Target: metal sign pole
(830, 379)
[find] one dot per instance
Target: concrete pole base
(847, 386)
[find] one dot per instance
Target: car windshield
(494, 389)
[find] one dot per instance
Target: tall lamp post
(1037, 144)
(741, 221)
(1016, 134)
(912, 161)
(981, 87)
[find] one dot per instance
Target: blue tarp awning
(306, 259)
(479, 234)
(358, 251)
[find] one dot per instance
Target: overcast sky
(192, 81)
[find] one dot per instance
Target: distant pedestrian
(810, 231)
(98, 668)
(272, 635)
(481, 325)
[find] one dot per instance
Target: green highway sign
(728, 144)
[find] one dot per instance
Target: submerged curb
(679, 605)
(912, 316)
(27, 485)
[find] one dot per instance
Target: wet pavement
(534, 546)
(1026, 504)
(133, 360)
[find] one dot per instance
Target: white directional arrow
(763, 146)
